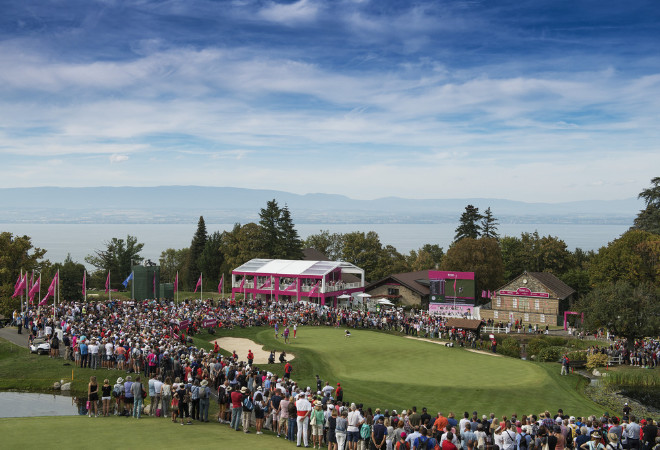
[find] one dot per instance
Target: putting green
(388, 371)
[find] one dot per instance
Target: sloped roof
(411, 280)
(466, 324)
(554, 284)
(312, 254)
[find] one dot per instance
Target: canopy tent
(384, 301)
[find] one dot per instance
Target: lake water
(23, 404)
(81, 240)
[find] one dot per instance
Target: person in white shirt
(158, 384)
(94, 355)
(109, 351)
(355, 419)
(304, 408)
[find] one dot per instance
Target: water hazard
(23, 404)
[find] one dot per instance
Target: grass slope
(81, 432)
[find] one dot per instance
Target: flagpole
(58, 293)
(176, 287)
(132, 285)
(20, 279)
(201, 285)
(85, 281)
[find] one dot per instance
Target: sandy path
(482, 352)
(242, 345)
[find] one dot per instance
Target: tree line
(630, 264)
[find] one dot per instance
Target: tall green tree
(627, 259)
(489, 225)
(71, 275)
(627, 310)
(482, 256)
(240, 245)
(469, 225)
(428, 257)
(210, 261)
(648, 219)
(116, 257)
(196, 248)
(534, 253)
(389, 261)
(325, 242)
(172, 261)
(291, 244)
(16, 253)
(363, 250)
(279, 240)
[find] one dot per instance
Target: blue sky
(525, 100)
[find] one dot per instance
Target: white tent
(384, 301)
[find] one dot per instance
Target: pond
(24, 404)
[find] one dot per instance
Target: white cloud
(115, 158)
(288, 14)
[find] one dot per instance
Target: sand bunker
(242, 345)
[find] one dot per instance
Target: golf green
(393, 372)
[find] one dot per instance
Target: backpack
(422, 442)
(365, 431)
(523, 442)
(247, 403)
(203, 392)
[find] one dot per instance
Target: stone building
(533, 297)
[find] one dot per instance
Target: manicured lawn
(81, 432)
(389, 371)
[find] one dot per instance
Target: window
(543, 318)
(537, 304)
(514, 303)
(392, 291)
(496, 314)
(498, 301)
(526, 317)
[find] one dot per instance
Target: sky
(525, 100)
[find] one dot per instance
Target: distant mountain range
(184, 204)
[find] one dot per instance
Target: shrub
(556, 341)
(597, 360)
(535, 346)
(510, 347)
(550, 354)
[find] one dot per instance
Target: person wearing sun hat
(317, 419)
(593, 443)
(614, 443)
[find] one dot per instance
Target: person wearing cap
(204, 401)
(339, 393)
(379, 434)
(355, 420)
(118, 394)
(401, 443)
(317, 420)
(246, 415)
(304, 409)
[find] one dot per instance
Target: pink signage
(209, 323)
(450, 310)
(525, 292)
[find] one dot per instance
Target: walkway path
(11, 334)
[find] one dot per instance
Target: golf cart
(40, 346)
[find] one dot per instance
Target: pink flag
(31, 282)
(21, 286)
(18, 281)
(266, 284)
(455, 279)
(242, 283)
(292, 286)
(199, 283)
(51, 291)
(176, 282)
(222, 279)
(84, 289)
(315, 287)
(107, 283)
(34, 289)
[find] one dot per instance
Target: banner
(451, 310)
(209, 323)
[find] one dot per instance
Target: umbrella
(344, 296)
(364, 295)
(384, 301)
(492, 336)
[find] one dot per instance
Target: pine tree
(648, 219)
(469, 224)
(269, 220)
(291, 244)
(196, 248)
(489, 225)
